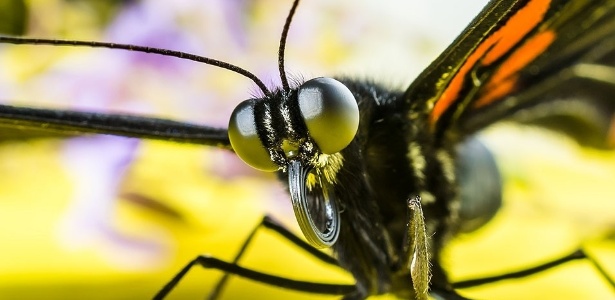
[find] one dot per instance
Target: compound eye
(330, 112)
(244, 138)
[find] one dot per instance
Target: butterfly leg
(577, 254)
(234, 269)
(269, 223)
(418, 258)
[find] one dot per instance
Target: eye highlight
(330, 112)
(244, 138)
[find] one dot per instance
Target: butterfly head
(301, 132)
(319, 117)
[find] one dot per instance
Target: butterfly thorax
(391, 160)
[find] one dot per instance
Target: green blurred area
(18, 17)
(14, 16)
(558, 196)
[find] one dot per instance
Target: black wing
(542, 62)
(66, 121)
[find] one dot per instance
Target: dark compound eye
(328, 108)
(330, 112)
(244, 138)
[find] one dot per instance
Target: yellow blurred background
(113, 218)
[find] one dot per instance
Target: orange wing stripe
(517, 28)
(492, 48)
(504, 80)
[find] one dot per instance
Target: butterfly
(481, 79)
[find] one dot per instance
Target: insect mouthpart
(314, 203)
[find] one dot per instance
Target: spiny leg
(417, 259)
(269, 223)
(234, 269)
(296, 285)
(577, 254)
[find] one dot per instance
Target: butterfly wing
(66, 121)
(540, 62)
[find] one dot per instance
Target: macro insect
(364, 191)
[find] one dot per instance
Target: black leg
(270, 223)
(445, 294)
(578, 254)
(234, 269)
(296, 285)
(442, 289)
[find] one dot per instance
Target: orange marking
(496, 91)
(517, 28)
(505, 78)
(491, 49)
(611, 134)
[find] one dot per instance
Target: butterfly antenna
(289, 19)
(159, 51)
